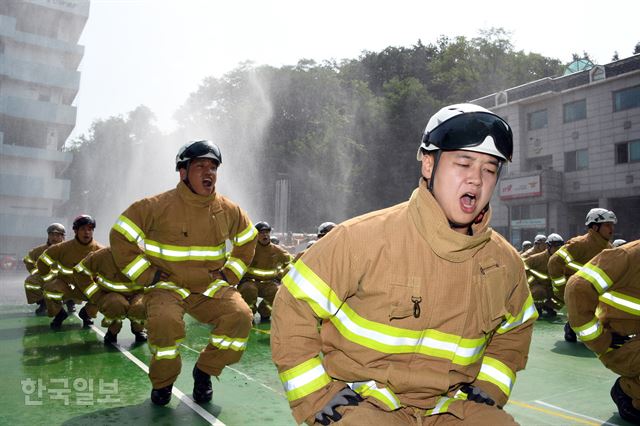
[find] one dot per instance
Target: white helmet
(526, 244)
(555, 239)
(540, 238)
(599, 215)
(468, 127)
(619, 242)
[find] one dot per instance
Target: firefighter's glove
(476, 394)
(617, 340)
(329, 414)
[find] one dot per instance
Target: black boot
(161, 396)
(56, 324)
(86, 319)
(625, 406)
(71, 306)
(141, 336)
(569, 334)
(110, 338)
(202, 391)
(42, 308)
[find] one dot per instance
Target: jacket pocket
(406, 299)
(492, 295)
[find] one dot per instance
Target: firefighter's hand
(476, 394)
(218, 275)
(329, 414)
(617, 340)
(160, 275)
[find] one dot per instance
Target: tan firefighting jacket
(604, 297)
(60, 259)
(536, 269)
(570, 257)
(183, 234)
(410, 310)
(32, 257)
(269, 263)
(533, 250)
(98, 271)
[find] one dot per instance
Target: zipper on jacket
(416, 305)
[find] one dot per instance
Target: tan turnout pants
(251, 290)
(33, 288)
(228, 315)
(117, 306)
(625, 361)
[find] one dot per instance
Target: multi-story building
(39, 80)
(576, 146)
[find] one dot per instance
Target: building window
(574, 111)
(628, 152)
(537, 120)
(576, 160)
(626, 98)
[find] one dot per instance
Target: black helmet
(56, 227)
(325, 227)
(275, 240)
(83, 219)
(197, 149)
(262, 226)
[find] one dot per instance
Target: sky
(157, 52)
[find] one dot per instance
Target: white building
(39, 58)
(576, 146)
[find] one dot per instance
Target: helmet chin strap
(186, 177)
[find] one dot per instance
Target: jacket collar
(433, 226)
(598, 239)
(192, 198)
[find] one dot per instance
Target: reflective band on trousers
(33, 271)
(245, 236)
(51, 275)
(214, 287)
(596, 276)
(226, 342)
(589, 331)
(624, 302)
(304, 379)
(384, 395)
(169, 352)
(496, 372)
(53, 296)
(558, 282)
(130, 230)
(175, 253)
(539, 274)
(30, 286)
(117, 287)
(136, 267)
(237, 266)
(183, 292)
(305, 285)
(527, 313)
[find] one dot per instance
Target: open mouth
(468, 202)
(207, 183)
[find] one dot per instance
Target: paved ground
(47, 376)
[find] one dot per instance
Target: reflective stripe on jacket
(99, 271)
(60, 259)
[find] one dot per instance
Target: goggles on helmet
(469, 130)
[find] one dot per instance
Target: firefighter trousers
(33, 288)
(474, 414)
(115, 307)
(226, 312)
(625, 361)
(251, 290)
(58, 291)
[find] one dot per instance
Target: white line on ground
(213, 420)
(575, 414)
(246, 376)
